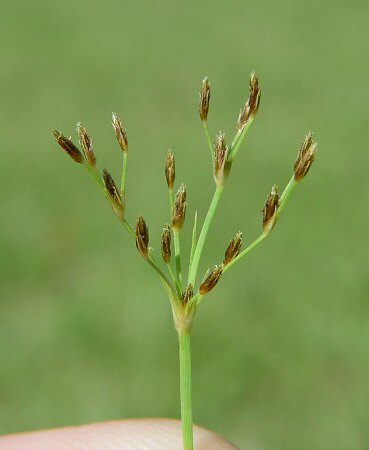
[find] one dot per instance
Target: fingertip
(131, 434)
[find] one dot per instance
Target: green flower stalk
(184, 295)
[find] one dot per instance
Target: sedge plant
(185, 295)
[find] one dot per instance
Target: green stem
(124, 173)
(93, 171)
(152, 262)
(129, 228)
(286, 195)
(237, 141)
(185, 388)
(194, 237)
(177, 251)
(175, 280)
(171, 201)
(204, 231)
(207, 133)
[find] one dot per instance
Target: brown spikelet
(270, 210)
(254, 94)
(204, 99)
(252, 105)
(120, 133)
(187, 294)
(180, 205)
(211, 280)
(86, 144)
(166, 239)
(68, 146)
(233, 249)
(220, 158)
(115, 197)
(305, 157)
(142, 236)
(170, 169)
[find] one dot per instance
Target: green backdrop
(280, 348)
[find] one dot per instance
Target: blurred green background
(280, 348)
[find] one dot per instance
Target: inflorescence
(184, 297)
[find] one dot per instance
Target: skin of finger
(131, 434)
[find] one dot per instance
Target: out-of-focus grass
(280, 348)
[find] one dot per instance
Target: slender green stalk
(207, 133)
(129, 228)
(171, 201)
(93, 171)
(286, 195)
(194, 237)
(236, 138)
(204, 231)
(124, 173)
(165, 280)
(185, 388)
(237, 141)
(175, 279)
(177, 251)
